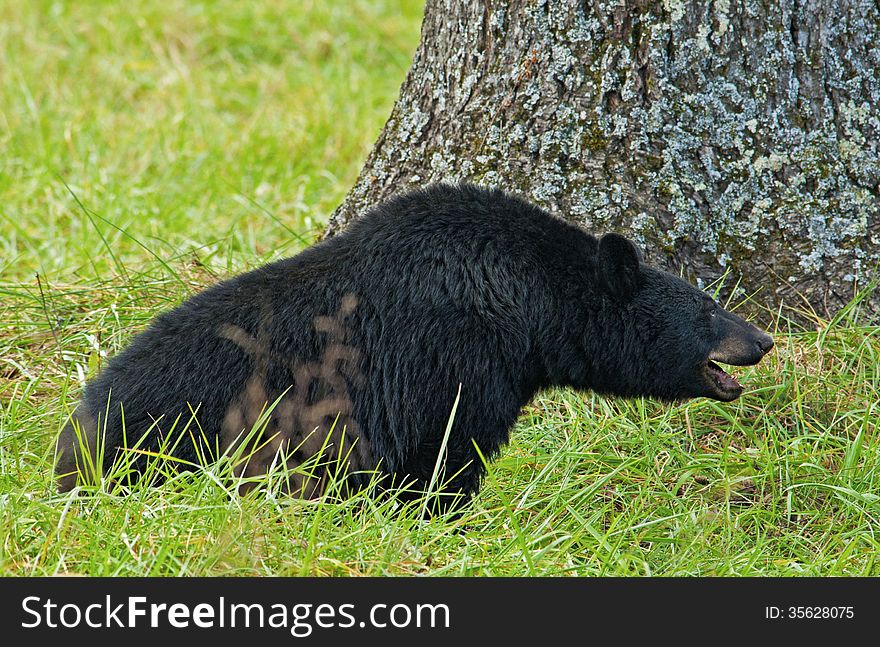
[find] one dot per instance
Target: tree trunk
(734, 137)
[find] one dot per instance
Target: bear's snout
(739, 343)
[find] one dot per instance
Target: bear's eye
(710, 308)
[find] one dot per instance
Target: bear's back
(450, 211)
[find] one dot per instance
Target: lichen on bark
(736, 138)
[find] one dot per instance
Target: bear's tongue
(724, 379)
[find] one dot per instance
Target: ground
(149, 150)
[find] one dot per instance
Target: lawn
(150, 149)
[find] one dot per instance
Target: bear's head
(672, 335)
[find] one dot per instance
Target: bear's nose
(765, 343)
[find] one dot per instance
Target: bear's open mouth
(727, 387)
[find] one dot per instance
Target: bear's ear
(619, 262)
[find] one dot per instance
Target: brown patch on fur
(314, 440)
(731, 346)
(79, 437)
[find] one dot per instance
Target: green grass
(150, 149)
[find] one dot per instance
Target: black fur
(446, 286)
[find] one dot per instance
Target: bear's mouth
(725, 386)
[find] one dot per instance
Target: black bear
(355, 350)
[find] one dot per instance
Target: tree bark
(727, 138)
